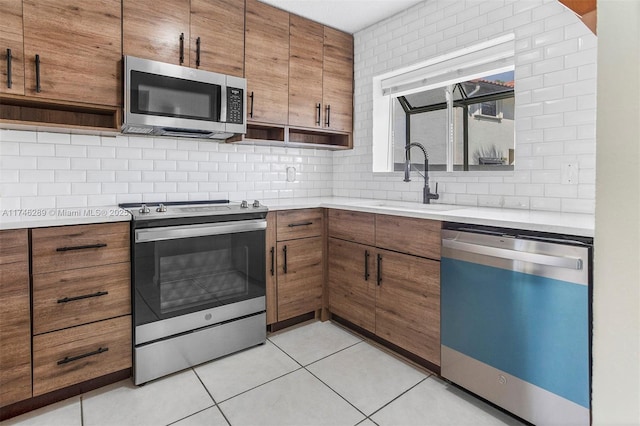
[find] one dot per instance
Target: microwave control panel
(235, 105)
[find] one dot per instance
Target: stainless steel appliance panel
(167, 356)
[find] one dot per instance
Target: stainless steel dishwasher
(516, 320)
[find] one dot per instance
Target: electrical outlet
(570, 173)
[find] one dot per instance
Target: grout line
(190, 415)
(400, 395)
(81, 410)
(261, 384)
(215, 403)
(336, 392)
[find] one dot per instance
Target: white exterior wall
(555, 76)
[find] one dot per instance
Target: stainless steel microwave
(170, 100)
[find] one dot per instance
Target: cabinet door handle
(84, 296)
(379, 274)
(284, 266)
(38, 88)
(273, 257)
(88, 246)
(328, 122)
(366, 265)
(181, 48)
(251, 109)
(318, 109)
(69, 359)
(293, 225)
(198, 52)
(9, 82)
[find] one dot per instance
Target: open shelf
(28, 111)
(274, 135)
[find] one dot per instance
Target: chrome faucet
(427, 195)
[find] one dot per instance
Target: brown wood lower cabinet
(408, 303)
(73, 355)
(390, 293)
(15, 318)
(300, 276)
(352, 282)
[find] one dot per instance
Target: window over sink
(460, 106)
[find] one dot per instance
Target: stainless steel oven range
(198, 286)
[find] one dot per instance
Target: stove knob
(244, 204)
(161, 208)
(256, 204)
(144, 209)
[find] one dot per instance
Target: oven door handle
(199, 230)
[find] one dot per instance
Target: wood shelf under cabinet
(20, 110)
(295, 137)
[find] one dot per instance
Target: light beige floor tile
(209, 417)
(366, 422)
(366, 376)
(314, 341)
(63, 413)
(244, 370)
(295, 399)
(159, 402)
(434, 402)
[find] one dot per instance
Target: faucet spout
(427, 195)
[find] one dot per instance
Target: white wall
(555, 101)
(56, 170)
(616, 303)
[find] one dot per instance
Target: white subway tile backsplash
(89, 140)
(27, 176)
(53, 163)
(63, 176)
(37, 149)
(8, 135)
(71, 151)
(85, 164)
(555, 123)
(55, 138)
(71, 201)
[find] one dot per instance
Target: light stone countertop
(554, 222)
(39, 218)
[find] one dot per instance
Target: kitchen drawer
(74, 355)
(79, 296)
(420, 237)
(352, 226)
(292, 224)
(79, 246)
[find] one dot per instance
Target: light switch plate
(570, 173)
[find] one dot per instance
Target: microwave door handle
(223, 104)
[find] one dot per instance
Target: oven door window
(176, 277)
(154, 94)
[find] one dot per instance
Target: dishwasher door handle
(540, 259)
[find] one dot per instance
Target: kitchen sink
(407, 205)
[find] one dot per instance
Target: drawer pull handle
(69, 359)
(293, 225)
(379, 272)
(273, 256)
(89, 246)
(284, 265)
(366, 265)
(84, 296)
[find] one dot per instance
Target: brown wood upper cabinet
(320, 76)
(267, 63)
(11, 48)
(337, 80)
(72, 49)
(203, 34)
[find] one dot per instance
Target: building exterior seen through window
(479, 114)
